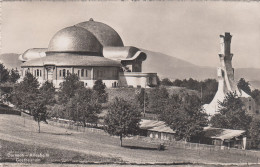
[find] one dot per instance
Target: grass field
(20, 135)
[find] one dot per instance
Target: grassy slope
(13, 129)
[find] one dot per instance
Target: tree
(4, 74)
(122, 119)
(232, 114)
(69, 87)
(254, 133)
(38, 110)
(83, 107)
(157, 99)
(244, 85)
(14, 76)
(208, 88)
(47, 91)
(99, 88)
(185, 116)
(166, 82)
(256, 95)
(25, 92)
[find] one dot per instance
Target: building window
(86, 73)
(249, 99)
(68, 72)
(38, 73)
(35, 73)
(60, 73)
(257, 111)
(82, 72)
(64, 73)
(86, 84)
(249, 107)
(78, 73)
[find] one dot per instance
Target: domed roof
(74, 39)
(106, 35)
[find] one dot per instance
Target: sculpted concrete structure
(226, 82)
(92, 50)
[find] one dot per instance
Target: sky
(186, 30)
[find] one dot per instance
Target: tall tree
(14, 76)
(25, 92)
(69, 87)
(232, 114)
(83, 107)
(256, 96)
(122, 119)
(254, 133)
(47, 91)
(38, 110)
(99, 88)
(4, 74)
(244, 85)
(158, 98)
(185, 116)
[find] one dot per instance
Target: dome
(106, 35)
(74, 39)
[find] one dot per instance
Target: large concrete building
(226, 82)
(92, 50)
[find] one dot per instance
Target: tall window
(68, 72)
(64, 73)
(82, 72)
(35, 73)
(78, 73)
(38, 73)
(86, 73)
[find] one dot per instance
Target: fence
(204, 147)
(68, 124)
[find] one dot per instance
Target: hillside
(10, 60)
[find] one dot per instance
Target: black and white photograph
(131, 83)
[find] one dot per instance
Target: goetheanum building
(91, 50)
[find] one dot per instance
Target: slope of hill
(10, 60)
(174, 68)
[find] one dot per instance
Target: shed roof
(219, 133)
(67, 59)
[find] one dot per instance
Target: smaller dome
(74, 39)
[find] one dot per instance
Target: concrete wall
(137, 79)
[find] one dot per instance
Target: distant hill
(10, 60)
(167, 66)
(174, 68)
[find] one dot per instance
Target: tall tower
(225, 56)
(225, 73)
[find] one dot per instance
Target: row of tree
(207, 88)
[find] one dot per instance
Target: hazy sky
(187, 30)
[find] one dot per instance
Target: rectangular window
(64, 73)
(82, 72)
(86, 73)
(40, 73)
(78, 73)
(60, 73)
(249, 107)
(68, 72)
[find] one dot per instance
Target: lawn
(20, 135)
